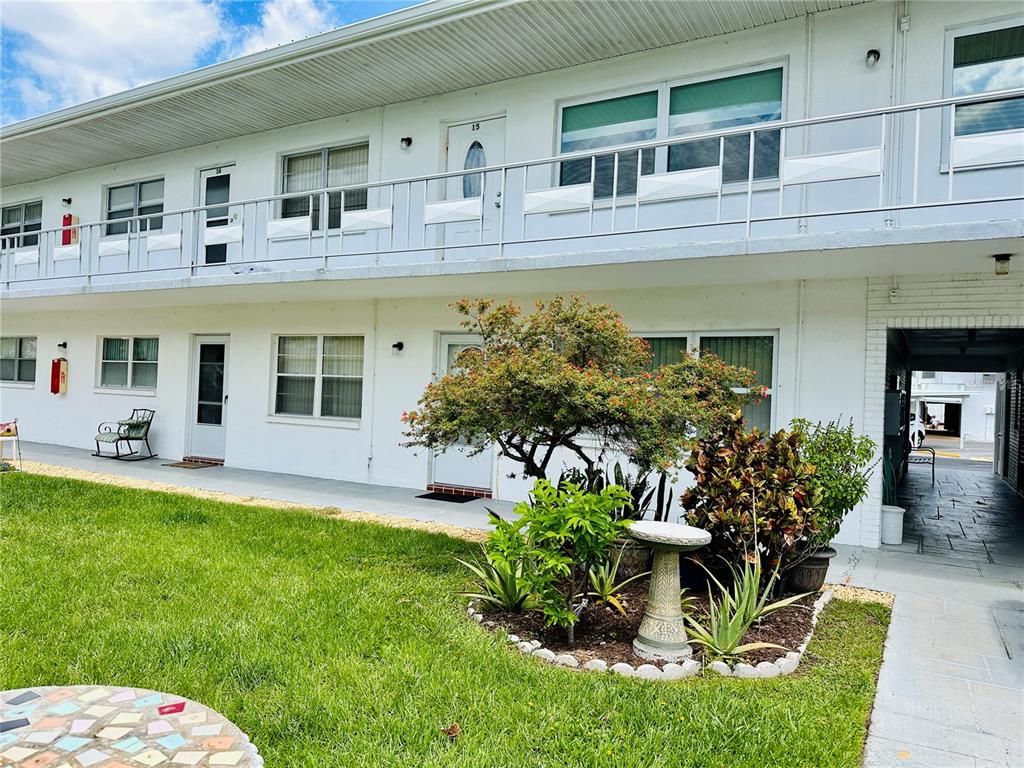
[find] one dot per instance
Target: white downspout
(373, 389)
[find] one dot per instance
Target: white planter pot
(892, 524)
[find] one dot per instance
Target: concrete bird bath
(662, 634)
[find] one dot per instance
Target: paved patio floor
(951, 688)
(314, 491)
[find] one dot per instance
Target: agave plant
(501, 583)
(603, 585)
(735, 610)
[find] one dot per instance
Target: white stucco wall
(819, 327)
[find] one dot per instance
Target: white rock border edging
(784, 665)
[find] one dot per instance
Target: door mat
(454, 498)
(190, 464)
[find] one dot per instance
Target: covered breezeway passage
(990, 350)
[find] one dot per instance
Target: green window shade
(666, 350)
(145, 350)
(611, 121)
(115, 349)
(753, 352)
(982, 47)
(606, 123)
(726, 103)
(983, 62)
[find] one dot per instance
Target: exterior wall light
(397, 347)
(872, 58)
(1002, 261)
(405, 142)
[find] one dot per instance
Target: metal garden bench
(126, 431)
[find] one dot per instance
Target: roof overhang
(436, 47)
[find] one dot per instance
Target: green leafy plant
(570, 532)
(732, 467)
(6, 466)
(734, 611)
(843, 463)
(647, 496)
(501, 583)
(888, 480)
(604, 585)
(547, 382)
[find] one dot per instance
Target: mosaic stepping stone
(107, 727)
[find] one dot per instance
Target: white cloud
(67, 53)
(283, 21)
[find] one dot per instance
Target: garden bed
(603, 633)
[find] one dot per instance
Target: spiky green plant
(605, 588)
(501, 583)
(735, 610)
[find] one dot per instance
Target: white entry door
(209, 399)
(476, 145)
(455, 466)
(214, 189)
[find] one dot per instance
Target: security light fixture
(397, 347)
(63, 345)
(872, 58)
(1002, 261)
(406, 142)
(66, 200)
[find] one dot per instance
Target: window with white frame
(17, 220)
(675, 110)
(140, 198)
(129, 362)
(18, 358)
(755, 351)
(982, 62)
(319, 376)
(327, 167)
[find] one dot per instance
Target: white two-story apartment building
(264, 250)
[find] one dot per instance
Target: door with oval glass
(455, 466)
(476, 145)
(208, 397)
(214, 189)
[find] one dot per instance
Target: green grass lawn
(344, 644)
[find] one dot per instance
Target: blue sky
(55, 54)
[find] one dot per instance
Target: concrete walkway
(313, 491)
(951, 688)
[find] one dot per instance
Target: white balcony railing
(879, 168)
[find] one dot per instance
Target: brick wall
(927, 301)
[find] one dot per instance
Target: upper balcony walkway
(917, 165)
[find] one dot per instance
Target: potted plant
(892, 514)
(843, 465)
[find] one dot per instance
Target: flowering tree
(563, 375)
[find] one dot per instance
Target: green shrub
(734, 470)
(843, 464)
(562, 535)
